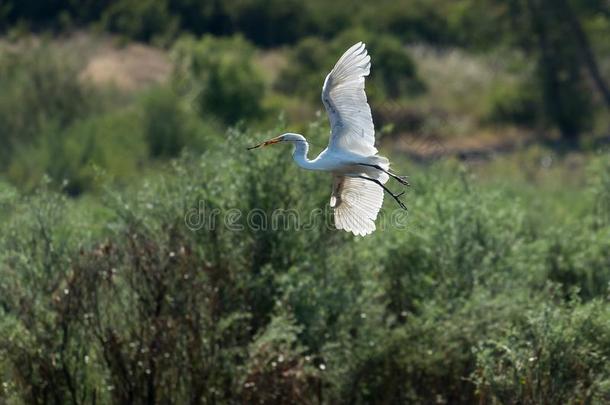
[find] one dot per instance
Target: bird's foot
(399, 201)
(402, 180)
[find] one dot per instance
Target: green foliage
(393, 72)
(38, 91)
(268, 23)
(216, 278)
(169, 125)
(558, 354)
(37, 332)
(51, 123)
(398, 72)
(140, 20)
(54, 124)
(278, 368)
(563, 38)
(553, 34)
(412, 20)
(514, 103)
(567, 99)
(204, 284)
(112, 142)
(219, 75)
(600, 189)
(305, 70)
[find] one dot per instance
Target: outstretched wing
(356, 203)
(344, 98)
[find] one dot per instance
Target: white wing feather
(344, 98)
(356, 203)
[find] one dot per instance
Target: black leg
(387, 190)
(400, 179)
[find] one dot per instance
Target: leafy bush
(169, 125)
(599, 184)
(393, 73)
(112, 142)
(396, 71)
(54, 124)
(269, 23)
(140, 20)
(181, 288)
(219, 75)
(278, 368)
(412, 20)
(44, 350)
(514, 103)
(559, 354)
(39, 90)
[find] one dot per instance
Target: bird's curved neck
(299, 154)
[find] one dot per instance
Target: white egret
(359, 173)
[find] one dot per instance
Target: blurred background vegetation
(117, 118)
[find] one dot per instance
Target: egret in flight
(359, 173)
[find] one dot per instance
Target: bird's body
(329, 160)
(359, 173)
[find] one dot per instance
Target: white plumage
(343, 96)
(359, 174)
(356, 203)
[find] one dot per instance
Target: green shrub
(218, 74)
(168, 125)
(41, 344)
(393, 72)
(40, 91)
(579, 259)
(517, 103)
(173, 291)
(559, 354)
(304, 75)
(599, 187)
(269, 23)
(411, 21)
(278, 368)
(140, 20)
(112, 142)
(578, 254)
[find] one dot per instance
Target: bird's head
(288, 137)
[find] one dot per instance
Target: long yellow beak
(266, 143)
